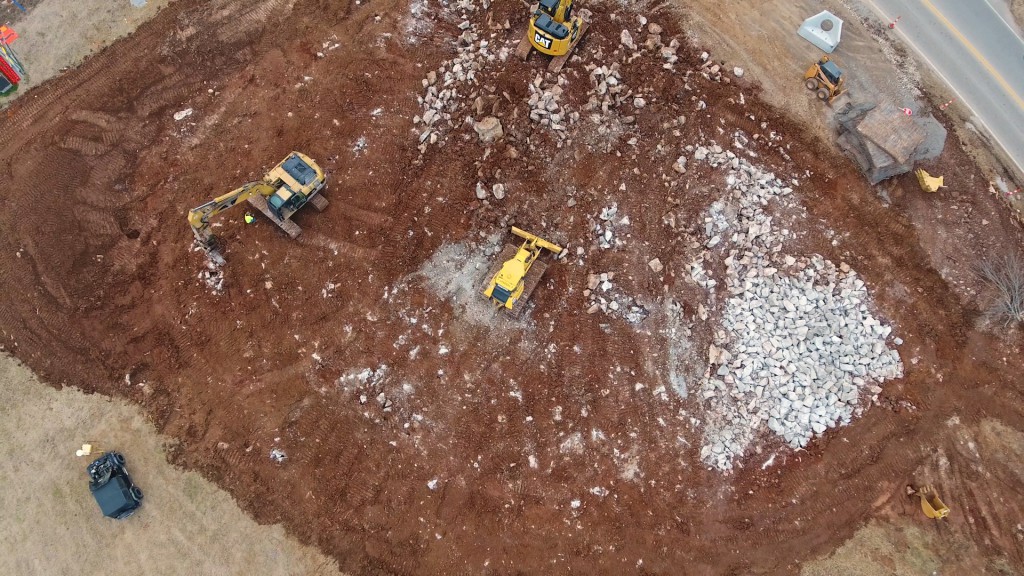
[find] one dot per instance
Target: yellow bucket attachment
(931, 504)
(928, 182)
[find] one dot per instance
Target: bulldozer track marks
(373, 218)
(237, 27)
(98, 225)
(84, 146)
(102, 120)
(338, 246)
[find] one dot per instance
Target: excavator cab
(296, 182)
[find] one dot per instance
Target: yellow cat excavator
(520, 271)
(554, 30)
(294, 182)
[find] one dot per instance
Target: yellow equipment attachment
(826, 79)
(520, 270)
(554, 30)
(931, 504)
(291, 184)
(928, 182)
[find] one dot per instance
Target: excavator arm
(199, 217)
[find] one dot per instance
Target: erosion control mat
(416, 430)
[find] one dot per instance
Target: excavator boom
(199, 217)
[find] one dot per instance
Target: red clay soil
(103, 292)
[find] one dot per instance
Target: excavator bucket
(928, 182)
(931, 504)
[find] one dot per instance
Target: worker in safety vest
(249, 218)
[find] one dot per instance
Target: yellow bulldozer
(555, 30)
(825, 79)
(518, 271)
(294, 182)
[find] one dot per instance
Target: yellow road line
(977, 54)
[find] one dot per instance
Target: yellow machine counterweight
(520, 270)
(554, 29)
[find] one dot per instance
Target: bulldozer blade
(290, 228)
(550, 246)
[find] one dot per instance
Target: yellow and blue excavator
(554, 30)
(294, 182)
(520, 271)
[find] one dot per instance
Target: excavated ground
(493, 428)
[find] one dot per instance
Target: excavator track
(558, 62)
(525, 47)
(319, 202)
(290, 228)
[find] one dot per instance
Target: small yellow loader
(825, 79)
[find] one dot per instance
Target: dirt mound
(418, 441)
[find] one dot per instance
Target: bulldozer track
(239, 27)
(84, 146)
(339, 246)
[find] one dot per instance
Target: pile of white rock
(212, 277)
(602, 296)
(798, 345)
(604, 227)
(545, 106)
(447, 89)
(608, 90)
(653, 43)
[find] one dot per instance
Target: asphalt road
(976, 52)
